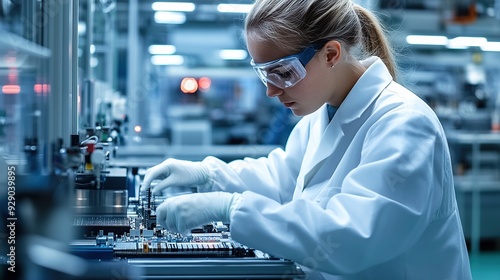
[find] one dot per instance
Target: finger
(161, 215)
(144, 188)
(186, 210)
(151, 174)
(170, 210)
(148, 178)
(158, 188)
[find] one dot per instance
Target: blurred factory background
(153, 80)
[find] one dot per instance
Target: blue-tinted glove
(185, 212)
(173, 173)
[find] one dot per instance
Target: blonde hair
(292, 25)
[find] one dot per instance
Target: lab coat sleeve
(385, 204)
(273, 176)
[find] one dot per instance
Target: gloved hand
(174, 172)
(184, 212)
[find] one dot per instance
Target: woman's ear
(333, 51)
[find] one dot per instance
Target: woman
(364, 188)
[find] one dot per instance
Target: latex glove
(174, 172)
(185, 212)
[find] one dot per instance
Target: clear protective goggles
(287, 71)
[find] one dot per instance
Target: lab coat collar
(369, 86)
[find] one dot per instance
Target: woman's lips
(288, 104)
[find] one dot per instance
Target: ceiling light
(170, 17)
(491, 47)
(233, 54)
(161, 49)
(456, 47)
(167, 60)
(426, 40)
(460, 42)
(234, 8)
(173, 6)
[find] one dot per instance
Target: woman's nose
(273, 90)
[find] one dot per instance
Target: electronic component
(89, 226)
(149, 218)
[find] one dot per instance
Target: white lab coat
(368, 195)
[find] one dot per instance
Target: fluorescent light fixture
(161, 49)
(167, 60)
(234, 8)
(491, 47)
(170, 17)
(233, 54)
(456, 47)
(173, 6)
(426, 40)
(460, 42)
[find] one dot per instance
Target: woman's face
(310, 93)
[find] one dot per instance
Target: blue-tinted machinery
(97, 218)
(72, 213)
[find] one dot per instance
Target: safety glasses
(287, 71)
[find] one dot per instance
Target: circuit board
(207, 252)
